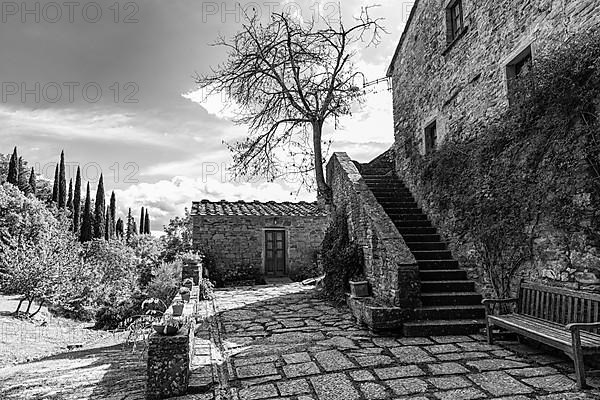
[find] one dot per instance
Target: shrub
(205, 289)
(223, 275)
(313, 270)
(342, 258)
(165, 282)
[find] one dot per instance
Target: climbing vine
(538, 165)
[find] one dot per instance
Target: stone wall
(170, 357)
(463, 85)
(389, 265)
(239, 240)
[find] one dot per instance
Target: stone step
(412, 223)
(450, 298)
(437, 264)
(404, 211)
(397, 205)
(407, 217)
(432, 254)
(450, 312)
(416, 230)
(442, 275)
(421, 238)
(427, 245)
(442, 327)
(447, 286)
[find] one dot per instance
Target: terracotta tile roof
(243, 208)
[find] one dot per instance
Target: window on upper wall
(430, 137)
(518, 66)
(454, 20)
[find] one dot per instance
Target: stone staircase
(450, 304)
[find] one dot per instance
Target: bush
(205, 289)
(313, 270)
(223, 275)
(165, 282)
(342, 258)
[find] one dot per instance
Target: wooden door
(275, 253)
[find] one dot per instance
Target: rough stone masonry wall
(463, 86)
(390, 267)
(239, 240)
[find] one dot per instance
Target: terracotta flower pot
(177, 309)
(185, 296)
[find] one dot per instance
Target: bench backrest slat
(557, 304)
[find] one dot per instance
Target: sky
(112, 84)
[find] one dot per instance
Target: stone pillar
(191, 269)
(168, 365)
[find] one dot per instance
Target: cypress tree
(107, 224)
(119, 229)
(142, 216)
(32, 182)
(77, 201)
(99, 217)
(147, 223)
(22, 182)
(70, 197)
(62, 182)
(86, 224)
(113, 213)
(55, 186)
(130, 227)
(13, 168)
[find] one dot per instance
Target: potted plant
(177, 308)
(188, 283)
(205, 289)
(185, 293)
(359, 286)
(168, 326)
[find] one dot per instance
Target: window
(455, 20)
(430, 137)
(518, 66)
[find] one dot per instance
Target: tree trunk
(39, 308)
(323, 190)
(19, 306)
(28, 306)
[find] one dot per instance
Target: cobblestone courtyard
(281, 342)
(284, 343)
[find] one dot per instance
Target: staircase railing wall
(390, 267)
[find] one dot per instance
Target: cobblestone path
(283, 343)
(280, 342)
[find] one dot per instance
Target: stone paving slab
(282, 342)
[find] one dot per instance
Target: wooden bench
(564, 319)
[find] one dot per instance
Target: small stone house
(280, 238)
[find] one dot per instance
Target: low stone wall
(390, 267)
(170, 357)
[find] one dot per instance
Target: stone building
(453, 71)
(280, 238)
(453, 67)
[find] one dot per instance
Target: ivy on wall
(538, 165)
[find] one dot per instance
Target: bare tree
(288, 77)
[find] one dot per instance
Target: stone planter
(359, 288)
(168, 330)
(376, 316)
(177, 309)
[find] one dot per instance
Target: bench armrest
(490, 304)
(499, 301)
(585, 326)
